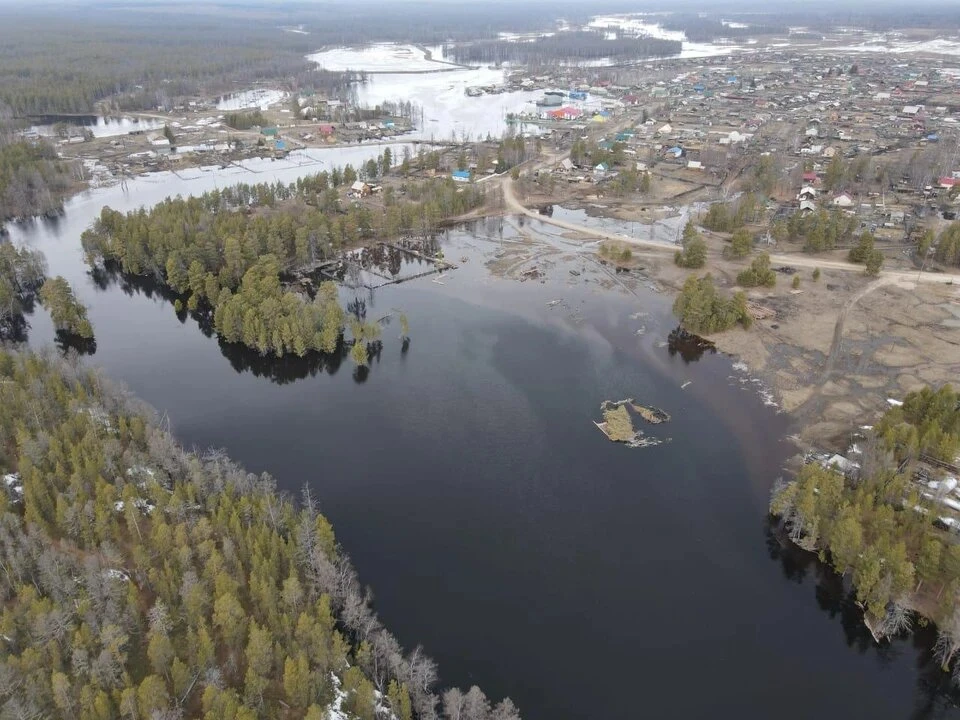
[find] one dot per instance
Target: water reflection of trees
(280, 370)
(286, 369)
(14, 328)
(688, 346)
(382, 260)
(835, 596)
(67, 342)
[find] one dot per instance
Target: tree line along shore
(142, 581)
(226, 252)
(884, 523)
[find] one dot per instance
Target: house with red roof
(565, 113)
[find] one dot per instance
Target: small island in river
(618, 422)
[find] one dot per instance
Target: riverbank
(832, 350)
(524, 376)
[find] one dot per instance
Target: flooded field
(101, 126)
(250, 99)
(401, 76)
(381, 58)
(666, 225)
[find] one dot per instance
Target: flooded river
(497, 526)
(401, 73)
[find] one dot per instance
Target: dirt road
(899, 277)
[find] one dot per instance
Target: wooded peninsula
(142, 581)
(880, 523)
(228, 250)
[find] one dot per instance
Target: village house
(359, 189)
(564, 113)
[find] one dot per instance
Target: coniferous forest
(21, 276)
(33, 181)
(141, 581)
(228, 250)
(570, 47)
(880, 524)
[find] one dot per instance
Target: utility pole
(923, 262)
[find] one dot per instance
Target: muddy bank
(830, 351)
(834, 350)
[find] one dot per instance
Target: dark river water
(497, 526)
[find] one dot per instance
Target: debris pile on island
(618, 422)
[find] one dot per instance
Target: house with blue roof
(460, 176)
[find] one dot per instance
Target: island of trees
(229, 252)
(883, 524)
(67, 313)
(141, 581)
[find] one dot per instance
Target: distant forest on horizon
(121, 56)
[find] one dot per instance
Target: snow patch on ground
(379, 58)
(881, 44)
(335, 710)
(523, 37)
(641, 25)
(635, 24)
